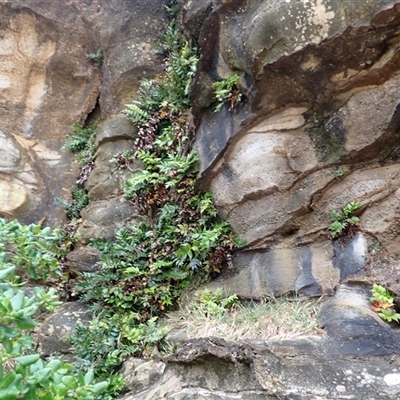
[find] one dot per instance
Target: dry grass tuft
(278, 318)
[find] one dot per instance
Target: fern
(137, 115)
(80, 200)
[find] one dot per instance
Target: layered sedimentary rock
(318, 128)
(48, 83)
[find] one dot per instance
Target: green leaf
(27, 360)
(89, 376)
(99, 387)
(54, 364)
(31, 394)
(69, 381)
(9, 394)
(24, 323)
(6, 381)
(18, 300)
(7, 344)
(4, 273)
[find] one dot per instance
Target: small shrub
(33, 251)
(23, 374)
(383, 303)
(96, 58)
(338, 173)
(343, 224)
(227, 92)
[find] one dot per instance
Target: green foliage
(82, 143)
(168, 93)
(31, 250)
(382, 294)
(145, 268)
(342, 221)
(227, 92)
(80, 200)
(215, 303)
(338, 173)
(383, 303)
(96, 58)
(23, 374)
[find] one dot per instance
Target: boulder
(56, 329)
(103, 218)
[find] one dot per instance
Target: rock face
(318, 129)
(345, 363)
(48, 84)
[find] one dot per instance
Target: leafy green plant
(338, 173)
(383, 303)
(82, 142)
(96, 58)
(227, 92)
(33, 251)
(80, 200)
(146, 268)
(23, 374)
(343, 224)
(215, 303)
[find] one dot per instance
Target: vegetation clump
(96, 58)
(344, 225)
(383, 303)
(217, 314)
(30, 250)
(227, 92)
(180, 240)
(82, 143)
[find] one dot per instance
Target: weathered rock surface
(320, 80)
(318, 128)
(55, 331)
(348, 362)
(103, 218)
(48, 84)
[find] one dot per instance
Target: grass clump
(275, 318)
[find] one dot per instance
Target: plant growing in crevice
(227, 92)
(344, 225)
(383, 303)
(82, 143)
(338, 173)
(97, 57)
(80, 200)
(214, 303)
(146, 268)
